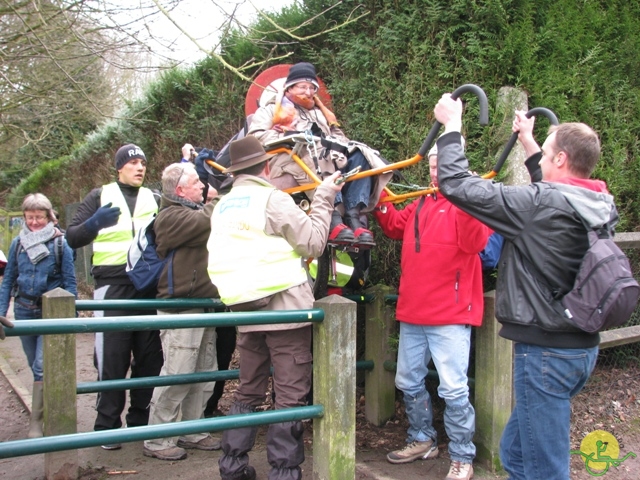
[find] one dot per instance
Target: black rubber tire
(320, 286)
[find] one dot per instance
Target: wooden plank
(619, 336)
(627, 240)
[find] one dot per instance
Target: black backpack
(144, 266)
(604, 294)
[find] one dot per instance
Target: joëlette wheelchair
(292, 144)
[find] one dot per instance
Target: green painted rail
(183, 379)
(56, 443)
(181, 303)
(150, 304)
(55, 326)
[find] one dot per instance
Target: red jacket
(441, 273)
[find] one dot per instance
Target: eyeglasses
(37, 218)
(305, 88)
(184, 167)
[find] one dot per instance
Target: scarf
(183, 201)
(34, 243)
(285, 111)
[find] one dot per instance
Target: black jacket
(545, 240)
(78, 236)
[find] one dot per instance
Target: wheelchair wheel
(320, 285)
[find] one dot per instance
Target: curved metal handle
(514, 136)
(483, 117)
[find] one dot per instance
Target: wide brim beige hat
(245, 153)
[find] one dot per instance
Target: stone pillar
(334, 387)
(509, 100)
(60, 405)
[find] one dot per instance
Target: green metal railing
(57, 326)
(151, 304)
(59, 339)
(18, 448)
(183, 379)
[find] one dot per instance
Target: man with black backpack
(545, 240)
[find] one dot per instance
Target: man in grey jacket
(265, 238)
(545, 240)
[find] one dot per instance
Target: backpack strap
(58, 251)
(170, 271)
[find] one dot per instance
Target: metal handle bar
(514, 137)
(483, 116)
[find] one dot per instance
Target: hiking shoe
(171, 453)
(341, 234)
(112, 446)
(460, 471)
(414, 451)
(207, 443)
(249, 473)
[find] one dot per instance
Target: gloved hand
(7, 323)
(105, 216)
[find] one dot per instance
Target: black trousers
(117, 352)
(225, 346)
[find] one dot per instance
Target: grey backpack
(604, 294)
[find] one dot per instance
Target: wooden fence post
(334, 386)
(60, 411)
(494, 385)
(379, 385)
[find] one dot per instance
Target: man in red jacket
(440, 299)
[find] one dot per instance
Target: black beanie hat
(301, 72)
(128, 152)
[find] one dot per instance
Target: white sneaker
(460, 471)
(414, 451)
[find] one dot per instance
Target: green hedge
(387, 71)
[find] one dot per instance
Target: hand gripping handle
(514, 137)
(483, 116)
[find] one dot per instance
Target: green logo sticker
(600, 450)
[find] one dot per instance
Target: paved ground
(129, 462)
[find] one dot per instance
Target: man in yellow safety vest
(109, 217)
(259, 238)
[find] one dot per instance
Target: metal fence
(334, 320)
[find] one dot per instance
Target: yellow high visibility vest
(112, 244)
(245, 263)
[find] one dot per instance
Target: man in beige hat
(259, 240)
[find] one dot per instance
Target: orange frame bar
(391, 197)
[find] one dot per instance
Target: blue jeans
(535, 442)
(448, 345)
(355, 194)
(31, 344)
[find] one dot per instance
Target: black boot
(285, 450)
(364, 237)
(339, 233)
(236, 443)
